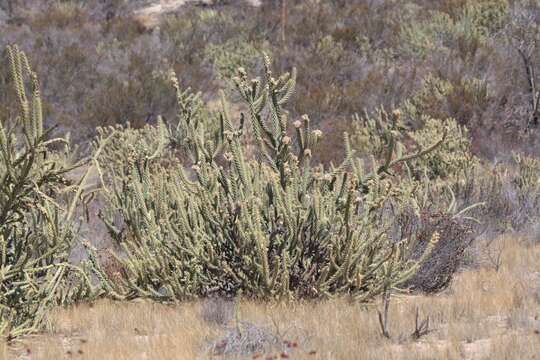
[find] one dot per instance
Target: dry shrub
(511, 193)
(217, 310)
(60, 14)
(247, 339)
(126, 29)
(438, 269)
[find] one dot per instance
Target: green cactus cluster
(415, 123)
(120, 145)
(215, 203)
(37, 208)
(251, 214)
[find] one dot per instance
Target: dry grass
(486, 314)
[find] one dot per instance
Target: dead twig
(383, 317)
(421, 328)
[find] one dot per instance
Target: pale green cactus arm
(264, 222)
(36, 214)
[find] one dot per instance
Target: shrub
(450, 162)
(472, 23)
(436, 272)
(264, 222)
(228, 57)
(512, 195)
(488, 16)
(37, 204)
(420, 38)
(60, 14)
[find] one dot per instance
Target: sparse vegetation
(381, 171)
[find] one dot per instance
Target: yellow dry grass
(486, 314)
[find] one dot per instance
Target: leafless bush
(217, 310)
(436, 272)
(494, 251)
(421, 326)
(523, 33)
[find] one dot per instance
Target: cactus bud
(435, 238)
(228, 135)
(286, 140)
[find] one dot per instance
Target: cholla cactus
(267, 224)
(35, 216)
(409, 128)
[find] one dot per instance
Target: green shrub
(453, 160)
(464, 100)
(229, 56)
(37, 206)
(472, 23)
(488, 16)
(424, 37)
(450, 162)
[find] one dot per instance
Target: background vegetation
(474, 61)
(275, 151)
